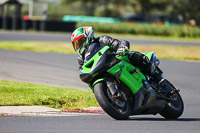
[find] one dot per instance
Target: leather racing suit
(137, 59)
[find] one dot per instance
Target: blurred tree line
(185, 9)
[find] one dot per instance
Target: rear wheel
(117, 108)
(174, 107)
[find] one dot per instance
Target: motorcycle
(122, 90)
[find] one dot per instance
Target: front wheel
(174, 107)
(116, 108)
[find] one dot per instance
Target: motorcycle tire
(173, 109)
(105, 100)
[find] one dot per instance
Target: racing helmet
(82, 38)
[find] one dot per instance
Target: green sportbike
(122, 90)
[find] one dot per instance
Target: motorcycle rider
(83, 37)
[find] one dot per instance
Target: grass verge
(171, 52)
(16, 93)
(162, 51)
(57, 47)
(145, 29)
(150, 37)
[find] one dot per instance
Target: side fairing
(152, 57)
(128, 74)
(149, 55)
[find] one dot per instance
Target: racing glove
(122, 50)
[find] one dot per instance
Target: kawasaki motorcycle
(122, 90)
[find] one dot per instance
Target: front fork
(113, 87)
(111, 84)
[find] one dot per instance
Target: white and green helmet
(82, 38)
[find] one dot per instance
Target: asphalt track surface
(62, 70)
(66, 37)
(43, 68)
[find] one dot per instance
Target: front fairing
(92, 50)
(97, 61)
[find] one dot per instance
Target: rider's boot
(159, 78)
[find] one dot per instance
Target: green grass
(15, 94)
(58, 47)
(145, 29)
(162, 51)
(171, 52)
(150, 37)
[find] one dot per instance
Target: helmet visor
(79, 43)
